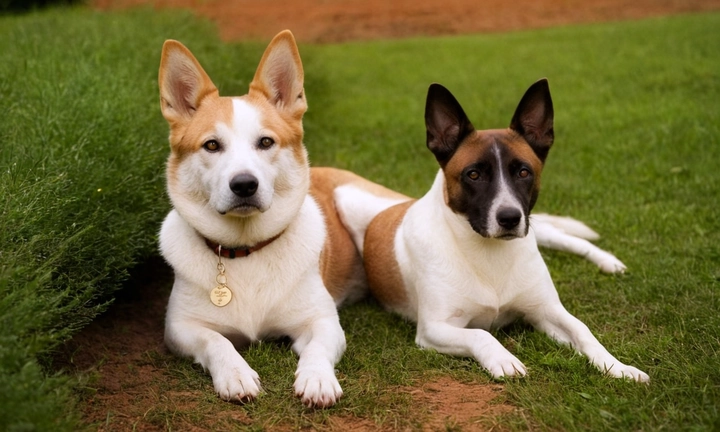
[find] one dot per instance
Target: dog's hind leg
(566, 224)
(357, 207)
(560, 325)
(569, 235)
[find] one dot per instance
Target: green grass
(82, 150)
(637, 135)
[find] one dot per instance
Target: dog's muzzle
(507, 224)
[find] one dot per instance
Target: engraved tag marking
(220, 295)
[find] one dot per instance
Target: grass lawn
(637, 128)
(82, 150)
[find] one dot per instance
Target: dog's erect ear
(183, 82)
(445, 122)
(533, 118)
(279, 76)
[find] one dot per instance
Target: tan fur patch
(340, 263)
(288, 128)
(466, 154)
(187, 137)
(342, 177)
(383, 272)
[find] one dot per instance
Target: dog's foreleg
(319, 348)
(560, 325)
(233, 378)
(549, 236)
(464, 342)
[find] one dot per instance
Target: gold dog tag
(220, 295)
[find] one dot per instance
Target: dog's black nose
(244, 185)
(508, 217)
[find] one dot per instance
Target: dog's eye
(524, 173)
(211, 146)
(266, 142)
(473, 175)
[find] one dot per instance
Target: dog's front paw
(317, 389)
(620, 370)
(504, 365)
(237, 384)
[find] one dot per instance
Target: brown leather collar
(240, 251)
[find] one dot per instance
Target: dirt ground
(115, 347)
(328, 21)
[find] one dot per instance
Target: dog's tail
(359, 202)
(567, 225)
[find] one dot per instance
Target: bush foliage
(82, 149)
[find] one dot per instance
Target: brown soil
(113, 351)
(344, 20)
(123, 350)
(454, 404)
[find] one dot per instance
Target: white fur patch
(505, 198)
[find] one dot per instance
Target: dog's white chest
(271, 290)
(465, 279)
(249, 305)
(504, 279)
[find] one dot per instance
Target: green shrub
(82, 150)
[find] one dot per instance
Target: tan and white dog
(464, 259)
(256, 245)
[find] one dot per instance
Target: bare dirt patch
(113, 352)
(455, 404)
(344, 20)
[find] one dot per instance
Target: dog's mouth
(242, 210)
(499, 235)
(508, 236)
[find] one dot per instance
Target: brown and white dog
(464, 258)
(254, 239)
